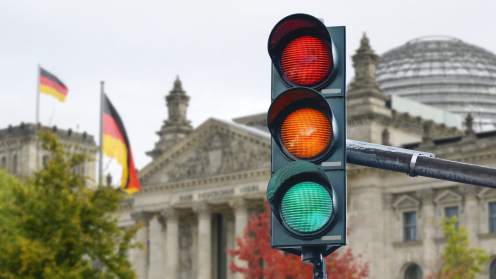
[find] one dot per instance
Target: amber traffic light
(306, 132)
(301, 123)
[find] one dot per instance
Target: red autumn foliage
(265, 262)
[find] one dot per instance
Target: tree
(458, 261)
(53, 226)
(268, 263)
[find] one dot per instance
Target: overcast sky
(218, 48)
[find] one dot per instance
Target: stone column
(389, 230)
(172, 246)
(131, 254)
(368, 232)
(204, 241)
(140, 255)
(240, 222)
(470, 213)
(428, 228)
(230, 241)
(156, 253)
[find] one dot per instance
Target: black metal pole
(420, 163)
(313, 255)
(456, 172)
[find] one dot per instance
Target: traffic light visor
(301, 50)
(302, 199)
(302, 124)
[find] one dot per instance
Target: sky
(218, 48)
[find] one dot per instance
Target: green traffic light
(302, 199)
(306, 207)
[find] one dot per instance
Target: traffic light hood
(294, 26)
(302, 51)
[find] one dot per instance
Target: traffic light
(307, 121)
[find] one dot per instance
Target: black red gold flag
(51, 85)
(116, 145)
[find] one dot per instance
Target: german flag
(51, 85)
(116, 145)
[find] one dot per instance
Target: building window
(492, 270)
(409, 226)
(14, 164)
(413, 272)
(492, 217)
(4, 163)
(45, 159)
(79, 169)
(450, 212)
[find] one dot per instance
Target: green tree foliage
(458, 261)
(53, 226)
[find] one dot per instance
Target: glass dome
(446, 73)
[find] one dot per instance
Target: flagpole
(100, 162)
(37, 116)
(38, 98)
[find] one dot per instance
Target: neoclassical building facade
(203, 184)
(197, 194)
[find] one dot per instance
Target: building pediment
(215, 148)
(447, 197)
(405, 202)
(487, 193)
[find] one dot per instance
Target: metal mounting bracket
(413, 162)
(411, 171)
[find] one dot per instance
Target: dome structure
(446, 73)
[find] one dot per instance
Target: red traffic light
(302, 51)
(306, 60)
(302, 124)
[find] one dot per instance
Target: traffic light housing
(307, 121)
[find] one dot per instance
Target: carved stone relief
(220, 154)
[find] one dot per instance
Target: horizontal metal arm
(416, 163)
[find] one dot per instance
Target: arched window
(413, 272)
(14, 164)
(492, 270)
